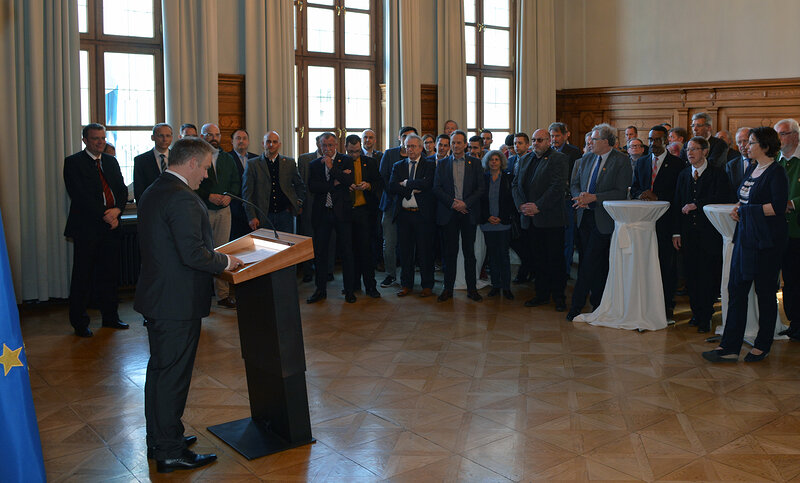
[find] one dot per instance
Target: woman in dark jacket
(759, 241)
(497, 209)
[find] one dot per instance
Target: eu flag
(20, 447)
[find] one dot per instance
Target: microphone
(260, 212)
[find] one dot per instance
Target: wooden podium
(272, 344)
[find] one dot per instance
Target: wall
(603, 43)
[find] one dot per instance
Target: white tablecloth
(719, 216)
(633, 297)
(480, 254)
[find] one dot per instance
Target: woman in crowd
(429, 143)
(760, 238)
(497, 208)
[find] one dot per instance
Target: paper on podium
(261, 250)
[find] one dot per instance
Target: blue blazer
(444, 189)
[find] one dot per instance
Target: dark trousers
(791, 282)
(281, 221)
(325, 225)
(459, 224)
(95, 270)
(239, 223)
(766, 285)
(548, 261)
(363, 256)
(667, 265)
(415, 242)
(499, 261)
(593, 269)
(702, 263)
(523, 251)
(173, 345)
(569, 234)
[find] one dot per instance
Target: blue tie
(595, 173)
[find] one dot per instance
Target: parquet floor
(414, 390)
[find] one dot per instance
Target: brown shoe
(426, 292)
(405, 291)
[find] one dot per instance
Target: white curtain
(269, 71)
(191, 69)
(40, 121)
(536, 65)
(392, 72)
(452, 69)
(403, 71)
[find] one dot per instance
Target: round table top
(631, 211)
(720, 216)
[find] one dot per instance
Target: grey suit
(257, 185)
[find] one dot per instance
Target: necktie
(163, 163)
(413, 170)
(595, 173)
(655, 172)
(696, 174)
(108, 195)
(328, 199)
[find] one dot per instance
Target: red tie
(107, 193)
(655, 171)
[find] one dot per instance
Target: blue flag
(20, 447)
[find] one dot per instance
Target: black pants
(791, 282)
(415, 242)
(499, 261)
(548, 260)
(173, 345)
(593, 269)
(667, 264)
(459, 224)
(95, 270)
(325, 223)
(363, 256)
(522, 248)
(702, 263)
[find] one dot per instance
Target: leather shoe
(519, 279)
(404, 291)
(117, 324)
(537, 301)
(572, 314)
(704, 327)
(84, 332)
(373, 293)
(692, 322)
(474, 295)
(750, 357)
(494, 291)
(317, 296)
(350, 298)
(507, 294)
(189, 460)
(561, 305)
(445, 295)
(187, 441)
(426, 292)
(719, 355)
(227, 303)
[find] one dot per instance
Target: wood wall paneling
(429, 97)
(231, 107)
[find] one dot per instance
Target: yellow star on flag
(10, 359)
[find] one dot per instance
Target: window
(121, 72)
(488, 34)
(336, 53)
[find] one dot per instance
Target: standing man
(521, 145)
(304, 226)
(368, 145)
(458, 186)
(449, 127)
(367, 182)
(476, 147)
(368, 142)
(188, 130)
(735, 168)
(635, 151)
(725, 136)
(789, 158)
(559, 135)
(174, 293)
(222, 178)
(603, 175)
(97, 195)
(240, 140)
(520, 245)
(718, 150)
(273, 184)
(442, 149)
(486, 139)
(538, 191)
(149, 165)
(330, 178)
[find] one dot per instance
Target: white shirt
(659, 160)
(699, 170)
(412, 203)
(158, 154)
(796, 154)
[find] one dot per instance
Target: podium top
(263, 253)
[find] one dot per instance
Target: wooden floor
(414, 390)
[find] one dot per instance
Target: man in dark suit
(718, 150)
(240, 140)
(414, 213)
(304, 218)
(367, 182)
(97, 197)
(174, 293)
(736, 167)
(559, 136)
(368, 145)
(458, 187)
(654, 179)
(538, 190)
(330, 178)
(602, 175)
(632, 132)
(693, 234)
(522, 143)
(725, 136)
(149, 165)
(272, 183)
(520, 245)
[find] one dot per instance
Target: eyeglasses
(699, 125)
(637, 146)
(786, 133)
(540, 140)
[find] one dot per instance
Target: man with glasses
(635, 151)
(789, 158)
(735, 168)
(718, 149)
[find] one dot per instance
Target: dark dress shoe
(507, 294)
(116, 324)
(561, 305)
(572, 314)
(445, 295)
(426, 292)
(307, 278)
(227, 303)
(187, 441)
(373, 293)
(189, 460)
(494, 291)
(350, 298)
(750, 357)
(692, 322)
(719, 355)
(474, 295)
(317, 296)
(520, 279)
(388, 281)
(404, 291)
(330, 277)
(84, 332)
(704, 327)
(537, 301)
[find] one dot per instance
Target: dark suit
(415, 226)
(338, 217)
(173, 293)
(364, 219)
(390, 156)
(574, 153)
(664, 190)
(257, 189)
(240, 225)
(304, 219)
(735, 169)
(541, 180)
(146, 168)
(455, 223)
(717, 152)
(95, 265)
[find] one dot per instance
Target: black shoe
(445, 295)
(350, 298)
(388, 281)
(474, 295)
(750, 357)
(572, 314)
(561, 305)
(537, 301)
(307, 278)
(494, 291)
(116, 324)
(189, 460)
(84, 332)
(330, 277)
(692, 322)
(704, 327)
(507, 294)
(187, 441)
(518, 279)
(373, 292)
(317, 296)
(719, 355)
(670, 313)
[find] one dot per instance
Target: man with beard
(240, 139)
